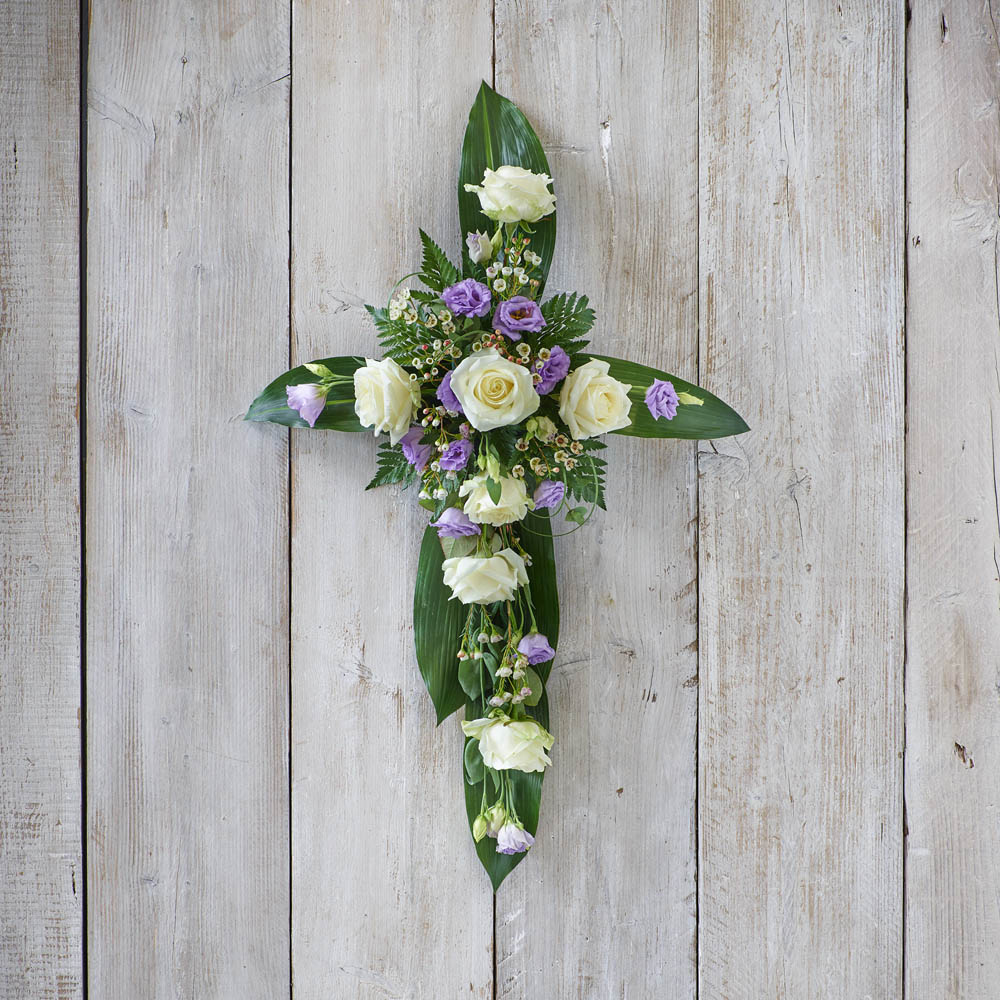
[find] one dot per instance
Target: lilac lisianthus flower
(536, 648)
(413, 451)
(455, 523)
(553, 370)
(309, 399)
(549, 494)
(661, 400)
(468, 298)
(513, 839)
(447, 396)
(455, 456)
(518, 315)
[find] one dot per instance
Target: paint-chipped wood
(41, 879)
(802, 519)
(605, 904)
(187, 545)
(388, 896)
(953, 538)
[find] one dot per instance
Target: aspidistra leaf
(498, 133)
(713, 419)
(437, 629)
(271, 406)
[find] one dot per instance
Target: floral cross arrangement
(493, 404)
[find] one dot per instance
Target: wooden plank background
(776, 697)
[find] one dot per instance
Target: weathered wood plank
(41, 880)
(801, 520)
(187, 685)
(953, 412)
(605, 904)
(388, 897)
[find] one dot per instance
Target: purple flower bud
(480, 247)
(661, 400)
(413, 451)
(455, 456)
(455, 523)
(536, 648)
(513, 839)
(553, 370)
(309, 398)
(549, 494)
(448, 398)
(516, 315)
(468, 298)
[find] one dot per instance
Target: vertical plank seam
(907, 21)
(697, 528)
(290, 521)
(84, 19)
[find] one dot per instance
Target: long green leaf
(713, 419)
(498, 133)
(271, 406)
(536, 538)
(437, 629)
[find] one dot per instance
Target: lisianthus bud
(496, 817)
(481, 247)
(309, 399)
(479, 828)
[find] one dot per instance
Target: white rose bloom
(513, 194)
(592, 402)
(480, 507)
(506, 745)
(483, 580)
(385, 398)
(493, 391)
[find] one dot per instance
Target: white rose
(506, 745)
(483, 580)
(513, 194)
(385, 398)
(493, 391)
(592, 402)
(480, 507)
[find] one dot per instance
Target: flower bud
(479, 828)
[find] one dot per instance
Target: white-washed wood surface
(801, 520)
(187, 544)
(605, 904)
(388, 897)
(953, 520)
(736, 171)
(41, 878)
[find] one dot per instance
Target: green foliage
(504, 440)
(586, 480)
(474, 768)
(568, 320)
(398, 338)
(498, 134)
(437, 629)
(271, 406)
(436, 271)
(713, 419)
(392, 467)
(535, 533)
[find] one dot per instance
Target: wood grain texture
(388, 896)
(41, 879)
(187, 641)
(801, 520)
(604, 906)
(953, 450)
